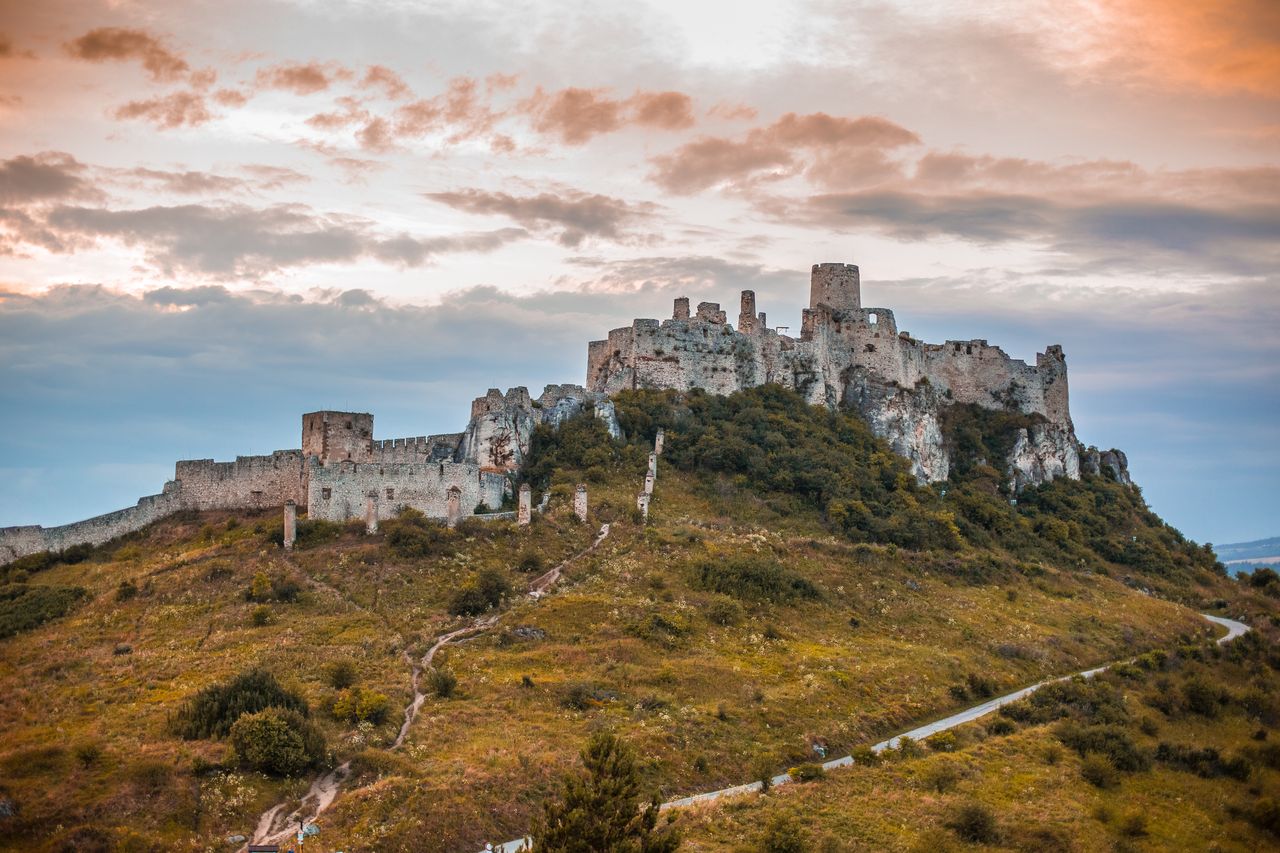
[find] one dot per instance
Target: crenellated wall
(250, 482)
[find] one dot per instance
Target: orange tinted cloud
(1222, 45)
(119, 44)
(833, 151)
(301, 78)
(168, 111)
(575, 115)
(381, 77)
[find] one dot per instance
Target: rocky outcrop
(501, 426)
(1109, 463)
(907, 419)
(1042, 453)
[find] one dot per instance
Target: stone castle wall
(340, 464)
(847, 355)
(339, 491)
(250, 482)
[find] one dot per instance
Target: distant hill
(1246, 556)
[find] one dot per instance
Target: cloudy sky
(215, 216)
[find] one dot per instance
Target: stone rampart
(338, 492)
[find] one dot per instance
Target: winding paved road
(1234, 629)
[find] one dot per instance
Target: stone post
(524, 508)
(653, 465)
(580, 502)
(648, 484)
(290, 524)
(371, 513)
(454, 511)
(642, 504)
(658, 441)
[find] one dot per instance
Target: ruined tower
(338, 436)
(835, 285)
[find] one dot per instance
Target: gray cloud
(237, 240)
(48, 176)
(1241, 239)
(575, 214)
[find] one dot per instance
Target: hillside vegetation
(794, 588)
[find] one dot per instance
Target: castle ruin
(846, 356)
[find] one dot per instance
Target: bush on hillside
(412, 535)
(357, 705)
(277, 741)
(486, 591)
(213, 710)
(974, 823)
(27, 606)
(752, 578)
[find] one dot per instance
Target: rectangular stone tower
(338, 436)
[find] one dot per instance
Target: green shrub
(412, 535)
(941, 742)
(752, 578)
(973, 822)
(725, 611)
(126, 590)
(341, 674)
(316, 531)
(1098, 771)
(261, 616)
(277, 741)
(27, 606)
(1001, 726)
(980, 685)
(263, 589)
(441, 682)
(88, 753)
(807, 772)
(356, 705)
(784, 835)
(531, 563)
(1201, 697)
(213, 710)
(486, 591)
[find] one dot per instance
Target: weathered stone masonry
(342, 469)
(847, 355)
(856, 357)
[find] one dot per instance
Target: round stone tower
(835, 285)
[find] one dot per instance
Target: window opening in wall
(872, 318)
(968, 350)
(326, 493)
(391, 494)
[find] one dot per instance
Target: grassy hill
(794, 586)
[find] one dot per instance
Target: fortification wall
(250, 482)
(338, 492)
(17, 542)
(422, 448)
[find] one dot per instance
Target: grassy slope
(1034, 786)
(703, 701)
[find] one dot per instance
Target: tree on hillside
(600, 811)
